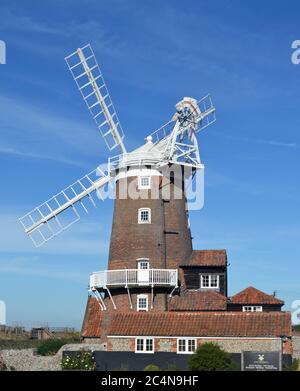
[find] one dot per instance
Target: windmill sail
(85, 70)
(62, 210)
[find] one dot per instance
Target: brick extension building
(160, 295)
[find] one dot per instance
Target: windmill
(173, 143)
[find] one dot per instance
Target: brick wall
(168, 229)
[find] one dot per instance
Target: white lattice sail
(85, 70)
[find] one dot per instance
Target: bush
(210, 357)
(83, 360)
(293, 367)
(151, 367)
(50, 347)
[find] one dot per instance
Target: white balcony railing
(133, 277)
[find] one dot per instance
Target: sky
(152, 54)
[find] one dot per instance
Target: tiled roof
(198, 301)
(252, 295)
(92, 319)
(207, 258)
(202, 324)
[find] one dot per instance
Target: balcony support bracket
(171, 294)
(112, 300)
(98, 297)
(152, 296)
(129, 297)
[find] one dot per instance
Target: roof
(92, 319)
(252, 295)
(198, 301)
(207, 258)
(202, 324)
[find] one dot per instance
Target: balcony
(129, 278)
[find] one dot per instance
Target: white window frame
(144, 261)
(142, 309)
(252, 308)
(140, 221)
(186, 348)
(209, 279)
(144, 339)
(141, 185)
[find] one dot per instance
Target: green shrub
(82, 360)
(50, 346)
(151, 367)
(210, 357)
(293, 367)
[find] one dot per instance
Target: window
(144, 216)
(144, 345)
(209, 281)
(186, 345)
(142, 265)
(252, 308)
(144, 182)
(142, 303)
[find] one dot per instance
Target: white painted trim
(252, 308)
(142, 296)
(144, 344)
(149, 216)
(185, 339)
(209, 275)
(143, 260)
(143, 187)
(137, 172)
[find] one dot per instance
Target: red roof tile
(207, 258)
(92, 319)
(198, 301)
(252, 295)
(202, 324)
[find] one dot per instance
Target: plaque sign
(261, 361)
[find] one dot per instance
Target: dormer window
(144, 182)
(252, 308)
(209, 281)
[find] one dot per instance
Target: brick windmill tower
(150, 235)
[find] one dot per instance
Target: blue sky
(152, 54)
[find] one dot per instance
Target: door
(143, 273)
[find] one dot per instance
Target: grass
(46, 347)
(52, 346)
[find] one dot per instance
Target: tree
(210, 357)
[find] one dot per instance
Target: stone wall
(232, 345)
(296, 347)
(238, 345)
(119, 345)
